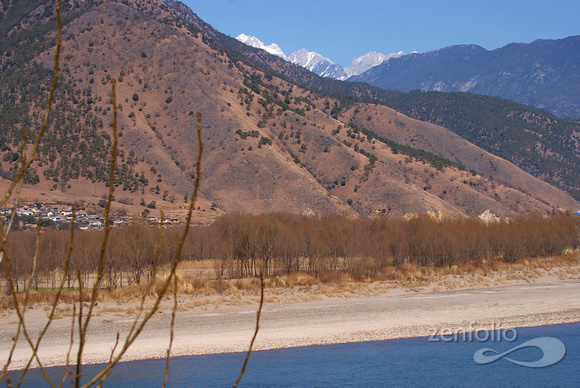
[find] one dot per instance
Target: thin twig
(34, 263)
(68, 370)
(80, 317)
(255, 332)
(171, 331)
(135, 326)
(114, 348)
(18, 188)
(130, 339)
(54, 304)
(17, 182)
(102, 381)
(153, 277)
(20, 314)
(15, 341)
(172, 325)
(80, 321)
(27, 290)
(100, 271)
(10, 287)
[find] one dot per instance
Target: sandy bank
(398, 313)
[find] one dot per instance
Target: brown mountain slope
(439, 140)
(270, 145)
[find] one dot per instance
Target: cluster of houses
(29, 215)
(63, 217)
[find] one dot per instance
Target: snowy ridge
(319, 64)
(307, 59)
(252, 41)
(326, 68)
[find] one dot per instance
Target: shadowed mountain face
(542, 74)
(270, 144)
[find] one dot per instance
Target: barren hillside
(270, 145)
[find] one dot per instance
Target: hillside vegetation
(551, 144)
(536, 141)
(272, 143)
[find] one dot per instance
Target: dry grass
(198, 289)
(197, 264)
(120, 309)
(485, 273)
(61, 311)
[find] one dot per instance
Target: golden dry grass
(197, 288)
(196, 264)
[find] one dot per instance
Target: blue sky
(343, 30)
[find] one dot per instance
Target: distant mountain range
(543, 74)
(319, 64)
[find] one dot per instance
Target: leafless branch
(255, 331)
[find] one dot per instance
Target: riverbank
(379, 313)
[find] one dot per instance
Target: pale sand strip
(394, 314)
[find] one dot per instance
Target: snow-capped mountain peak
(326, 68)
(317, 63)
(307, 59)
(372, 59)
(252, 41)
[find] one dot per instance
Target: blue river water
(445, 361)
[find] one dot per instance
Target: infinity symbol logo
(553, 351)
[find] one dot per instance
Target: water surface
(401, 362)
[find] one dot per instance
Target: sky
(344, 30)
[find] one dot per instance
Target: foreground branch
(255, 331)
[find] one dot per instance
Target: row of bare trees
(129, 256)
(276, 244)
